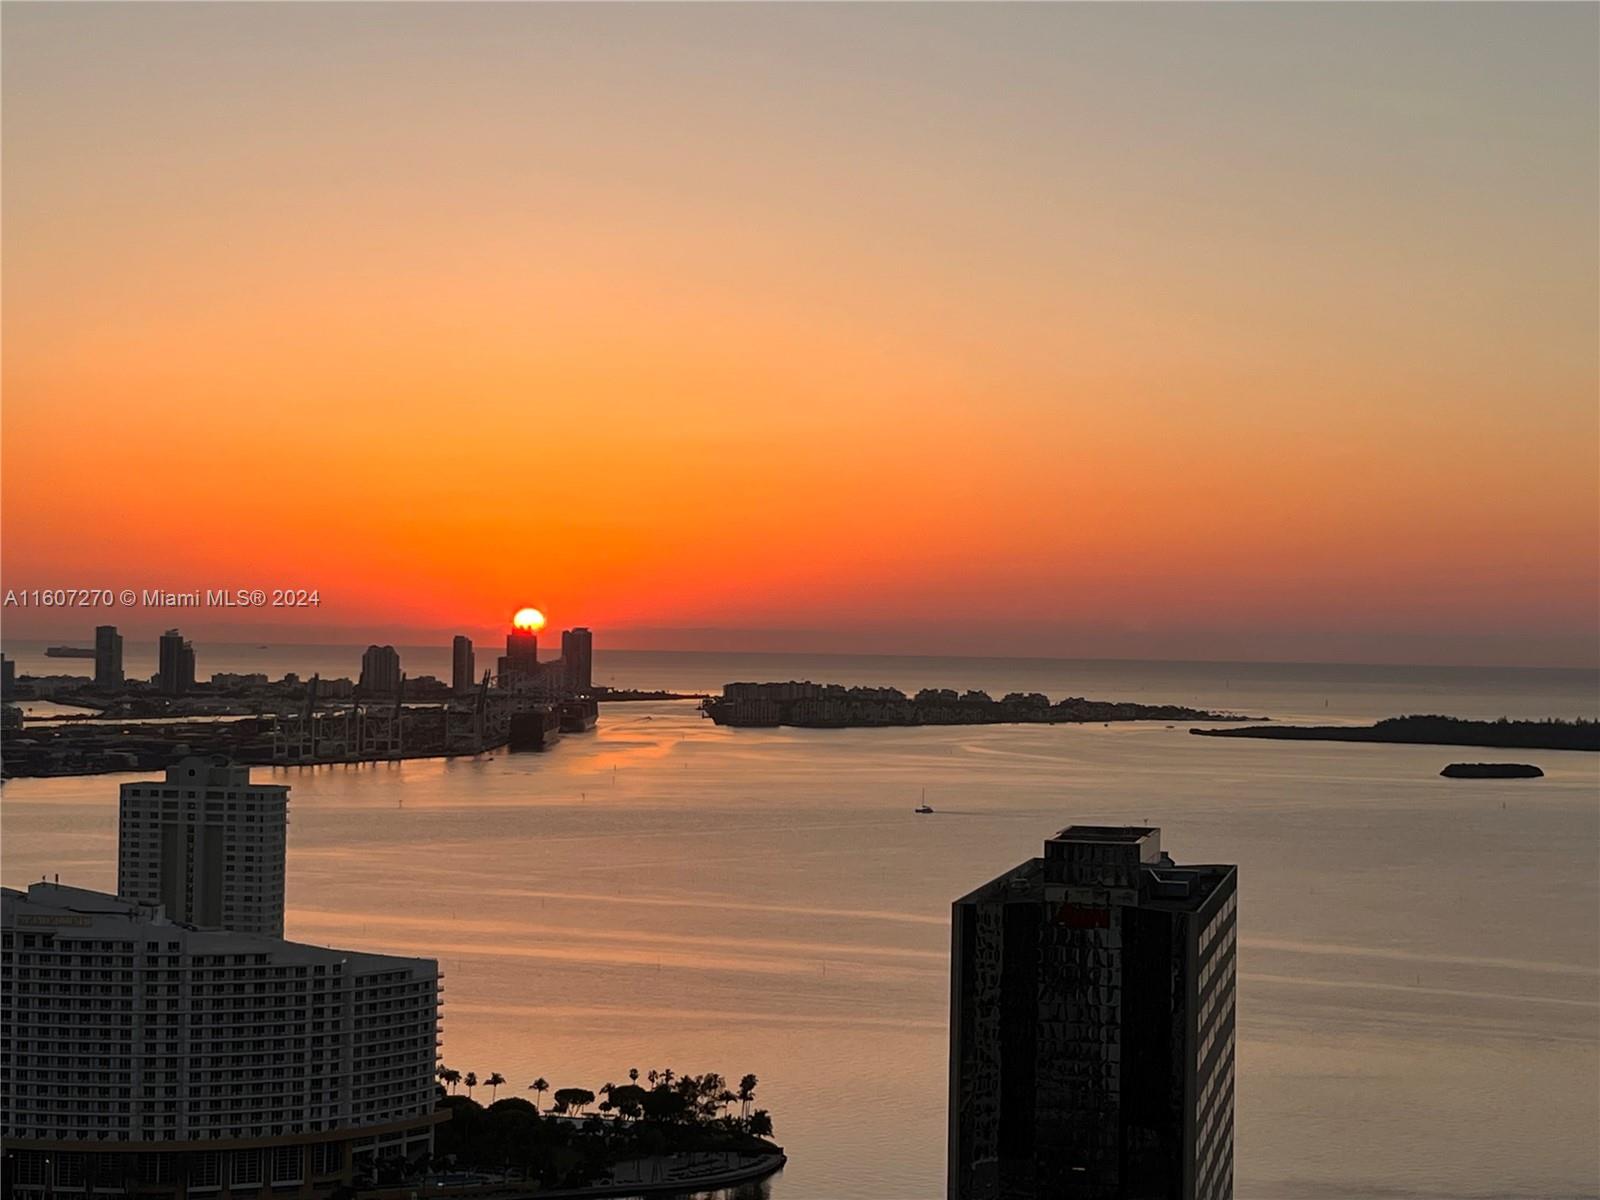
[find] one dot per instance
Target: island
(1492, 771)
(1436, 731)
(613, 695)
(659, 1133)
(810, 705)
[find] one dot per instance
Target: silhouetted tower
(1091, 1025)
(380, 671)
(522, 654)
(461, 680)
(175, 658)
(107, 656)
(577, 659)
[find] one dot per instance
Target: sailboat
(924, 807)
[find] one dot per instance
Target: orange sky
(1008, 329)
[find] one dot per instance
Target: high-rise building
(522, 655)
(207, 845)
(176, 662)
(461, 665)
(8, 675)
(577, 658)
(107, 656)
(1091, 1026)
(380, 671)
(213, 1063)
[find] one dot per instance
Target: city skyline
(823, 601)
(1039, 642)
(1209, 333)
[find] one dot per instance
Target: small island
(612, 695)
(810, 705)
(1436, 731)
(1492, 771)
(657, 1133)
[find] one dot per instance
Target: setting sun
(1111, 451)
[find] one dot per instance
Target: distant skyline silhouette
(1403, 648)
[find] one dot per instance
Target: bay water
(1419, 992)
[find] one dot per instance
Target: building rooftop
(213, 770)
(1127, 844)
(60, 898)
(79, 912)
(1105, 833)
(1107, 856)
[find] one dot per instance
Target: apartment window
(245, 1168)
(287, 1164)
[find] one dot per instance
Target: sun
(529, 619)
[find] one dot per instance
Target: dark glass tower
(461, 664)
(380, 671)
(1091, 1026)
(577, 659)
(522, 654)
(175, 658)
(107, 656)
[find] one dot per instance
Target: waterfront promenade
(659, 1176)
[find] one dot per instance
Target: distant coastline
(1435, 731)
(808, 705)
(610, 695)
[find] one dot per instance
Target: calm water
(1420, 980)
(1315, 691)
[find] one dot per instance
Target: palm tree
(493, 1084)
(668, 1076)
(704, 1091)
(653, 1076)
(451, 1077)
(471, 1081)
(633, 1076)
(747, 1094)
(539, 1087)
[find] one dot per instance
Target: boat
(923, 808)
(579, 714)
(536, 728)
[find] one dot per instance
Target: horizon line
(443, 646)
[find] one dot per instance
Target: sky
(1191, 331)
